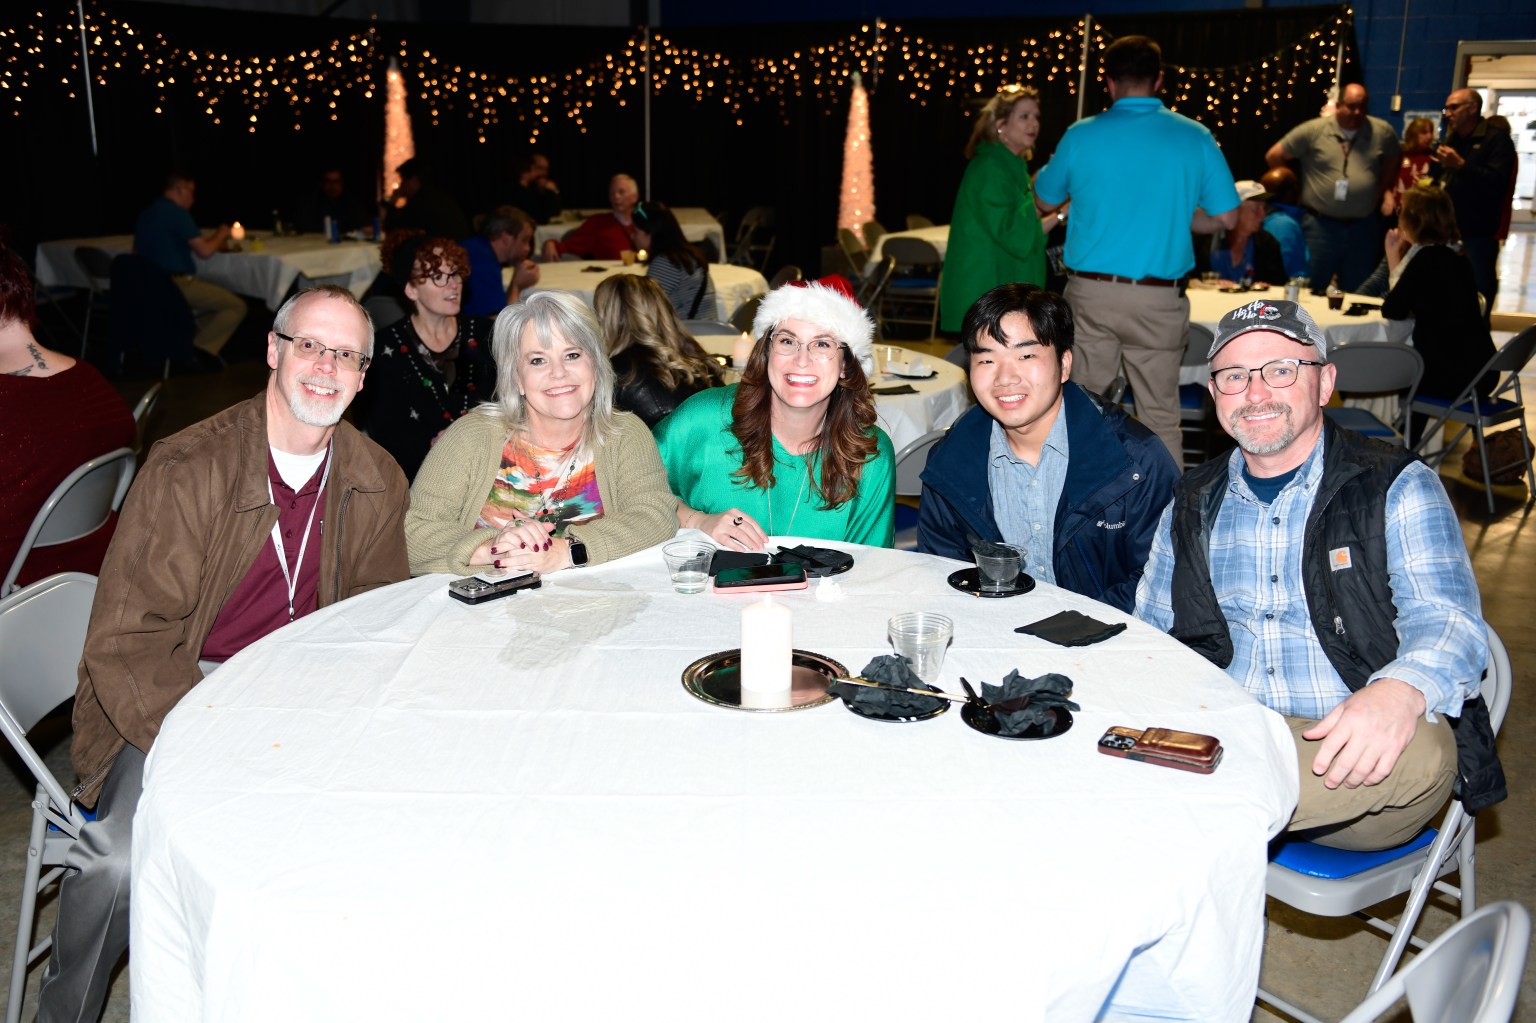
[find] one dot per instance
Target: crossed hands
(1363, 736)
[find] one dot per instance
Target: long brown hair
(844, 445)
(638, 319)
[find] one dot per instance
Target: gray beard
(1280, 443)
(313, 415)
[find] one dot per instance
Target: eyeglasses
(310, 350)
(441, 279)
(1277, 374)
(820, 349)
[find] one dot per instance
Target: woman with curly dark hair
(675, 264)
(655, 362)
(793, 450)
(435, 364)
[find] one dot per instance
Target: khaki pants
(218, 311)
(1144, 327)
(1375, 816)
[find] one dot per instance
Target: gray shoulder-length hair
(554, 316)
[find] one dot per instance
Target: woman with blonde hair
(995, 235)
(656, 364)
(548, 476)
(792, 450)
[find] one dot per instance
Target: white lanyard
(277, 533)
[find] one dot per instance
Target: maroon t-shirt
(259, 604)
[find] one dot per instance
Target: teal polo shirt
(1135, 175)
(161, 236)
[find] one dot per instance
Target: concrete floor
(1323, 965)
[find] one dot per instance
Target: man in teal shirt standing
(1140, 178)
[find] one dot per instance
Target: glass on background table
(518, 805)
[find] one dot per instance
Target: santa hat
(830, 305)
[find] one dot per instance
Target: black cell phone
(762, 577)
(1360, 308)
(477, 589)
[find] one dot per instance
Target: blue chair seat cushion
(1320, 861)
(913, 282)
(1490, 407)
(1191, 396)
(1360, 421)
(89, 815)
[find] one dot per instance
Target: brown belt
(1151, 282)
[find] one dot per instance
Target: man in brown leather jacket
(235, 527)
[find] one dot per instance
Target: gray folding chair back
(710, 328)
(745, 313)
(1197, 345)
(853, 248)
(1382, 368)
(42, 631)
(872, 288)
(1506, 404)
(912, 460)
(1417, 871)
(916, 221)
(144, 410)
(384, 310)
(872, 231)
(96, 264)
(912, 294)
(77, 507)
(785, 275)
(1470, 974)
(754, 238)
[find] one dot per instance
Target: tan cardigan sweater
(452, 485)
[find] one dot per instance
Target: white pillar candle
(741, 351)
(767, 644)
(236, 231)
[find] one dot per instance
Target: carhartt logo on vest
(1338, 560)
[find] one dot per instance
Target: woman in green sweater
(995, 234)
(793, 450)
(549, 475)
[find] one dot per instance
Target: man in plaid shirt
(1327, 573)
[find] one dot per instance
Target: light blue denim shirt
(1255, 561)
(1024, 496)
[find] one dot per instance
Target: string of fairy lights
(40, 60)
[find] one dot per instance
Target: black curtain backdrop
(701, 157)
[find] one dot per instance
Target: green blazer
(994, 235)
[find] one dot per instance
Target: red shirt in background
(49, 427)
(600, 237)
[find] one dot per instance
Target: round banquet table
(405, 807)
(733, 284)
(934, 403)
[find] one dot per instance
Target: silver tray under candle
(716, 679)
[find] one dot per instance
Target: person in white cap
(792, 450)
(1325, 571)
(1248, 250)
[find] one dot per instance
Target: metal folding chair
(1470, 974)
(910, 463)
(77, 507)
(42, 631)
(96, 264)
(912, 294)
(1378, 368)
(1478, 416)
(1336, 882)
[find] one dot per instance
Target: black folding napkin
(894, 389)
(1023, 704)
(890, 671)
(1071, 628)
(724, 559)
(817, 561)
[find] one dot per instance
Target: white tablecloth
(937, 236)
(698, 224)
(406, 808)
(733, 284)
(266, 275)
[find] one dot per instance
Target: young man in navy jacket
(1039, 463)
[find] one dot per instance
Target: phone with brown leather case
(1166, 747)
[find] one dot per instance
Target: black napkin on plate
(1026, 702)
(889, 670)
(1071, 628)
(724, 559)
(894, 389)
(817, 561)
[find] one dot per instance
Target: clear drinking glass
(688, 564)
(921, 638)
(999, 572)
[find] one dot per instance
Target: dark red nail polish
(546, 545)
(521, 545)
(495, 551)
(496, 563)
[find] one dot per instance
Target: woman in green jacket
(995, 235)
